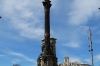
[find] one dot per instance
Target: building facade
(68, 63)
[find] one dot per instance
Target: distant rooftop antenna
(90, 46)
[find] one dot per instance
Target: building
(68, 63)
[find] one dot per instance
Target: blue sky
(22, 29)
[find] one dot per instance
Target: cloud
(97, 57)
(23, 56)
(82, 10)
(2, 55)
(29, 31)
(73, 59)
(18, 57)
(87, 60)
(24, 17)
(74, 37)
(16, 61)
(72, 44)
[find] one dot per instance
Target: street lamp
(90, 46)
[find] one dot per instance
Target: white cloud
(29, 31)
(87, 60)
(22, 6)
(23, 56)
(82, 10)
(2, 55)
(73, 59)
(74, 36)
(16, 61)
(72, 44)
(97, 57)
(24, 15)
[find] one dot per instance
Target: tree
(16, 65)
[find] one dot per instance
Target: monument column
(48, 55)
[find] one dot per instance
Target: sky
(22, 29)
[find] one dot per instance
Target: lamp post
(90, 46)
